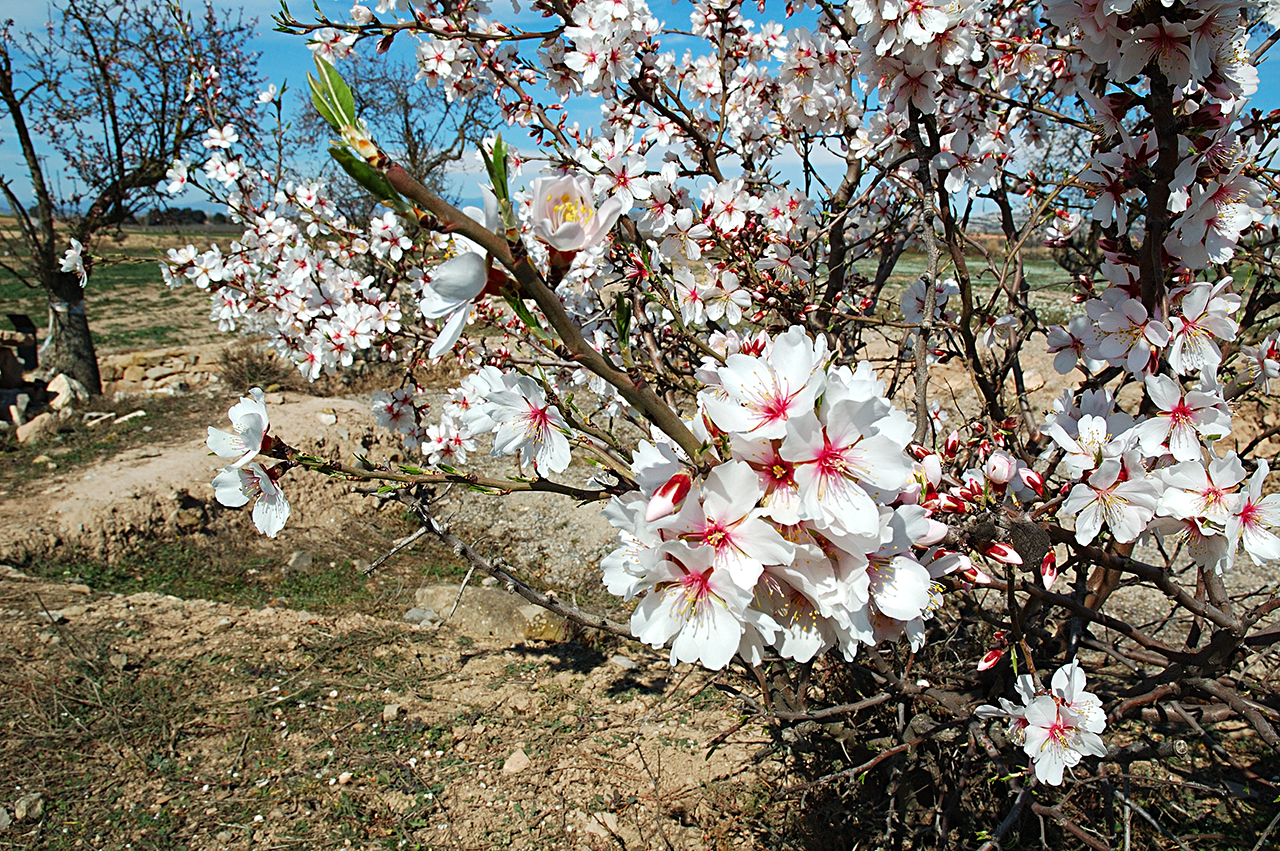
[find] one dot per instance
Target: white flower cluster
(803, 538)
(1056, 728)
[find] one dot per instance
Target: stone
(518, 761)
(224, 836)
(390, 712)
(603, 825)
(34, 429)
(489, 582)
(327, 418)
(5, 821)
(424, 615)
(28, 807)
(344, 778)
(542, 625)
(492, 614)
(18, 410)
(10, 369)
(93, 419)
(188, 518)
(299, 561)
(134, 374)
(66, 391)
(622, 662)
(118, 661)
(158, 372)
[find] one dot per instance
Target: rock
(518, 761)
(344, 778)
(327, 418)
(66, 391)
(623, 662)
(93, 419)
(188, 518)
(37, 428)
(390, 712)
(492, 614)
(158, 372)
(425, 616)
(602, 824)
(118, 661)
(224, 836)
(4, 818)
(18, 410)
(542, 625)
(28, 807)
(299, 561)
(135, 374)
(10, 369)
(41, 459)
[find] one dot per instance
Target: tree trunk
(71, 344)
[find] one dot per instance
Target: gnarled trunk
(70, 341)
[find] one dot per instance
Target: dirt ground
(171, 680)
(144, 720)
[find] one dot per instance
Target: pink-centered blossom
(1254, 520)
(250, 423)
(527, 424)
(236, 486)
(694, 605)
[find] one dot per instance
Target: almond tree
(765, 435)
(106, 92)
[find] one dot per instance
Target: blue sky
(286, 57)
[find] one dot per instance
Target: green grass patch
(195, 568)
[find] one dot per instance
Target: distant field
(129, 308)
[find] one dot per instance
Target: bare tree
(425, 130)
(106, 88)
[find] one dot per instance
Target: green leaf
(388, 489)
(622, 319)
(409, 470)
(531, 322)
(332, 96)
(496, 165)
(321, 104)
(374, 181)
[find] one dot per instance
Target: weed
(253, 365)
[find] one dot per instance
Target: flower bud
(1049, 569)
(937, 534)
(1003, 553)
(668, 497)
(1000, 468)
(990, 659)
(952, 446)
(951, 504)
(932, 468)
(1032, 479)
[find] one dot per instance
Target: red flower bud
(1003, 553)
(669, 496)
(1032, 479)
(990, 659)
(1049, 569)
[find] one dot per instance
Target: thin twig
(405, 544)
(1120, 796)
